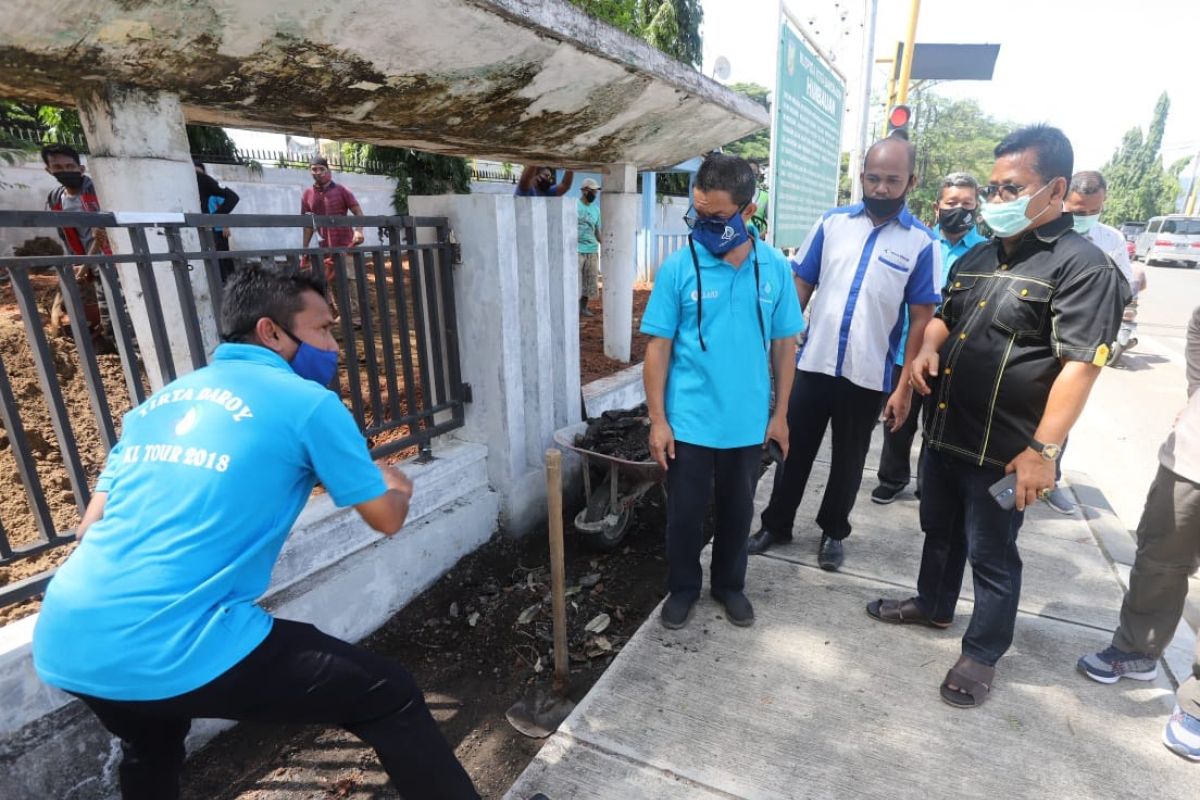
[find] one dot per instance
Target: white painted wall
(275, 191)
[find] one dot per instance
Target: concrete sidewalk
(817, 700)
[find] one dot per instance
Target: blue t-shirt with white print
(203, 487)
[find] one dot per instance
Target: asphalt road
(1132, 408)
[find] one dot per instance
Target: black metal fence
(97, 331)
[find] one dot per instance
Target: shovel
(539, 713)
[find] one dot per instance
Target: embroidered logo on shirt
(767, 287)
(709, 294)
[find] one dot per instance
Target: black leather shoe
(676, 611)
(764, 540)
(831, 555)
(738, 609)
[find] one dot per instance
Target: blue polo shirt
(719, 398)
(950, 253)
(203, 487)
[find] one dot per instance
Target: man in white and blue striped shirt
(868, 260)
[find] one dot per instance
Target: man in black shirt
(216, 199)
(1023, 331)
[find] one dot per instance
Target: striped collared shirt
(864, 274)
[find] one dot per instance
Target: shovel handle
(558, 578)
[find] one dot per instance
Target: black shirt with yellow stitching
(1013, 320)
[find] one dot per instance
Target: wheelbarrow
(605, 519)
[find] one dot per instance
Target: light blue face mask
(1084, 223)
(1008, 219)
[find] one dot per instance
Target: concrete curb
(1119, 545)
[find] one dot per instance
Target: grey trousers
(1168, 552)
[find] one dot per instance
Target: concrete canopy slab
(512, 80)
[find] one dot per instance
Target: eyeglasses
(692, 218)
(1007, 191)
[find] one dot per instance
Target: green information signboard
(806, 140)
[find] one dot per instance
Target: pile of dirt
(623, 433)
(593, 363)
(15, 513)
(475, 641)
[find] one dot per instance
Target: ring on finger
(1044, 493)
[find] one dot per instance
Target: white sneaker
(1182, 734)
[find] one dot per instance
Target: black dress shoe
(831, 555)
(764, 540)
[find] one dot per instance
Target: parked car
(1131, 230)
(1174, 238)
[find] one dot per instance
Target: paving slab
(817, 700)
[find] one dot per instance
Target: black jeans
(297, 675)
(690, 482)
(961, 521)
(895, 469)
(819, 401)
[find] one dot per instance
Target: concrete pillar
(619, 214)
(517, 291)
(141, 162)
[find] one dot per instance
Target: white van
(1174, 238)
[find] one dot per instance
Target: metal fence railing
(76, 333)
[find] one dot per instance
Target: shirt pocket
(955, 296)
(1023, 308)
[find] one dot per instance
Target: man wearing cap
(589, 245)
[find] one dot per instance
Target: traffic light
(898, 119)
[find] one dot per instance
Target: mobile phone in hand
(774, 451)
(1004, 491)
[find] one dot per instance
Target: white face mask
(1008, 219)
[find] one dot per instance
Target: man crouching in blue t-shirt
(152, 621)
(723, 312)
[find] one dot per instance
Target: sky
(1093, 68)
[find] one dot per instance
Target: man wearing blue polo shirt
(152, 621)
(864, 261)
(723, 313)
(957, 201)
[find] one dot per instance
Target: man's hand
(899, 404)
(777, 430)
(1034, 475)
(924, 366)
(662, 443)
(357, 239)
(394, 478)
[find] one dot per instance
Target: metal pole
(773, 152)
(909, 46)
(871, 8)
(558, 579)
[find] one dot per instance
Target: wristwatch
(1050, 452)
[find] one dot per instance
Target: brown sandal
(902, 612)
(968, 683)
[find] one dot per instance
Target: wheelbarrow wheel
(607, 537)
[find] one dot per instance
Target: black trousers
(895, 469)
(819, 401)
(297, 675)
(963, 523)
(690, 481)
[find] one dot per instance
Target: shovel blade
(539, 713)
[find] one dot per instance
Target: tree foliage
(207, 140)
(672, 26)
(1139, 187)
(949, 136)
(415, 172)
(756, 146)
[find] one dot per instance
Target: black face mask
(589, 196)
(883, 207)
(956, 220)
(71, 180)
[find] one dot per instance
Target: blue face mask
(1084, 223)
(313, 363)
(719, 236)
(1008, 219)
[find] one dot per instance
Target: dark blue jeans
(962, 522)
(690, 481)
